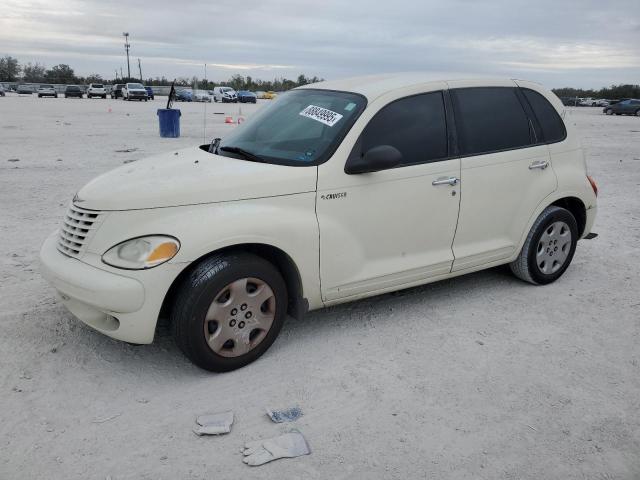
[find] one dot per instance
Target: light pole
(126, 47)
(140, 70)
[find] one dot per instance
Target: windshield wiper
(246, 154)
(213, 146)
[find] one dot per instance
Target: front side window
(553, 129)
(415, 125)
(490, 119)
(303, 127)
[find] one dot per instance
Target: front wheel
(549, 247)
(229, 310)
(638, 113)
(609, 111)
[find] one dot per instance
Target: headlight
(142, 252)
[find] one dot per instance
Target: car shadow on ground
(164, 355)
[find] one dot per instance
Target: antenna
(126, 47)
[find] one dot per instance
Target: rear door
(505, 172)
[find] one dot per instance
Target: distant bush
(612, 93)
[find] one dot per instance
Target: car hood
(191, 176)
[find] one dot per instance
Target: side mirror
(375, 159)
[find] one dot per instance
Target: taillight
(593, 184)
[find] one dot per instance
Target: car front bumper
(123, 305)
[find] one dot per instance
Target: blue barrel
(169, 119)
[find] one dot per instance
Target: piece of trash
(214, 424)
(289, 445)
(25, 376)
(289, 415)
(103, 420)
(126, 150)
(129, 160)
(14, 160)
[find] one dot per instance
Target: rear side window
(553, 129)
(490, 119)
(414, 125)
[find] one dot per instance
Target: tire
(608, 111)
(200, 294)
(638, 113)
(547, 252)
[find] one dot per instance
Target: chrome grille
(76, 230)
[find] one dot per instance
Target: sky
(579, 43)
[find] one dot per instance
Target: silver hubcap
(553, 248)
(240, 317)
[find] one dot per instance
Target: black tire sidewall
(199, 290)
(558, 214)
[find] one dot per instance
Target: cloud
(576, 42)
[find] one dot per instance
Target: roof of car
(372, 86)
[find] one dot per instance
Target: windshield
(97, 85)
(303, 127)
(135, 85)
(46, 86)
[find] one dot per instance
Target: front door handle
(446, 181)
(541, 164)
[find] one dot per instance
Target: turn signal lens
(142, 252)
(163, 252)
(593, 184)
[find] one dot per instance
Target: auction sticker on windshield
(321, 115)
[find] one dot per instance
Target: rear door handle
(446, 181)
(541, 164)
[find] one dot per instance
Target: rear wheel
(638, 113)
(608, 111)
(229, 311)
(549, 247)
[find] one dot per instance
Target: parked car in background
(2, 94)
(224, 95)
(184, 96)
(134, 91)
(201, 97)
(47, 91)
(73, 91)
(320, 160)
(260, 94)
(96, 90)
(24, 89)
(116, 91)
(150, 94)
(601, 102)
(245, 96)
(269, 95)
(625, 107)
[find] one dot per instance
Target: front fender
(286, 222)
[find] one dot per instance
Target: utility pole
(140, 70)
(116, 75)
(126, 47)
(121, 74)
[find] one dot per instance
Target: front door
(393, 228)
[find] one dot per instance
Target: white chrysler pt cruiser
(337, 191)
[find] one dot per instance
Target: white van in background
(96, 90)
(225, 95)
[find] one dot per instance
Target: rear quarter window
(553, 129)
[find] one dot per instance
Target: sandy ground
(481, 377)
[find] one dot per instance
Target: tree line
(11, 70)
(614, 92)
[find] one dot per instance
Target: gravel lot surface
(479, 377)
